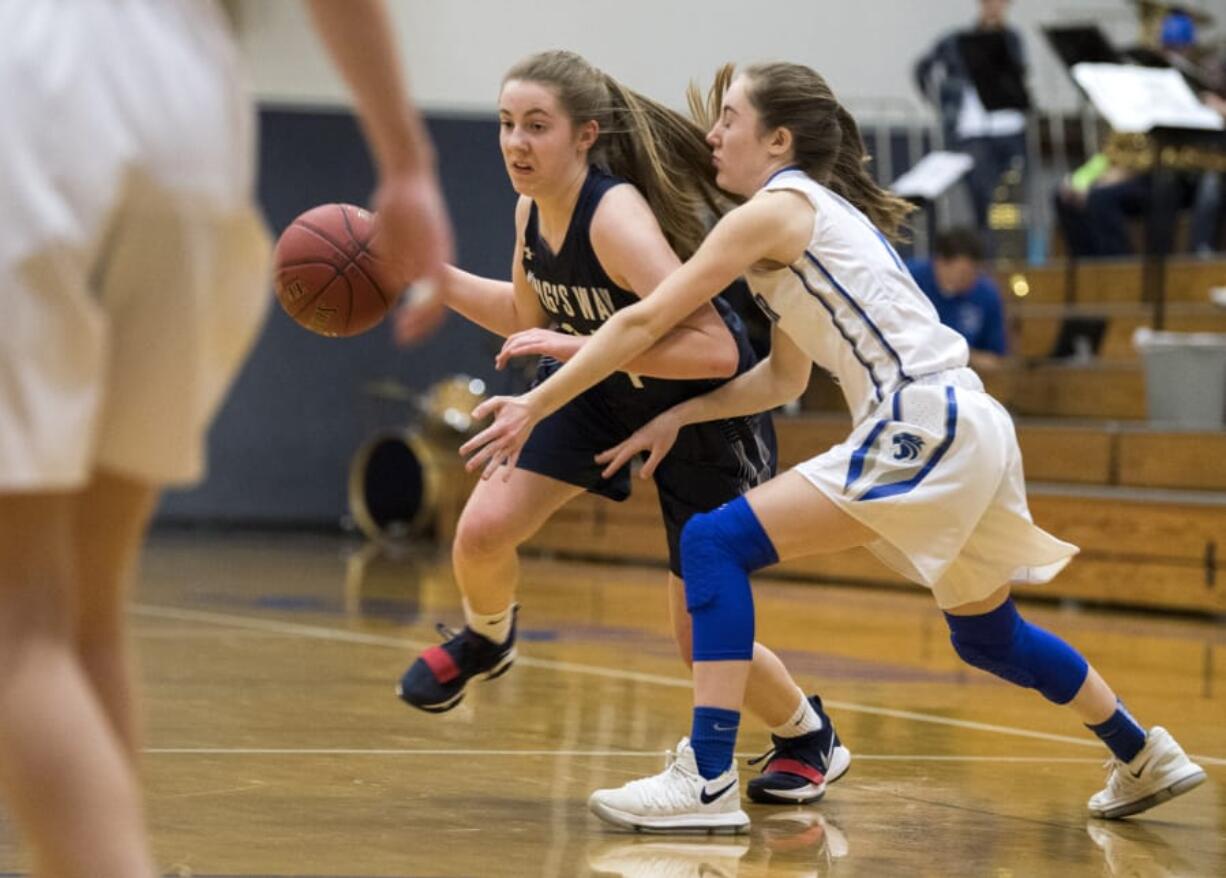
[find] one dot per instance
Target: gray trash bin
(1185, 376)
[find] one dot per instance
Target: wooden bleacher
(1146, 505)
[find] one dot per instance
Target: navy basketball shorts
(709, 465)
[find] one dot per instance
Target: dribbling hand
(419, 316)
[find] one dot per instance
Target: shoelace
(445, 632)
(1117, 776)
(661, 792)
(765, 756)
(449, 634)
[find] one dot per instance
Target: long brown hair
(826, 139)
(664, 154)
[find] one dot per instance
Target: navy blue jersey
(710, 463)
(571, 285)
(579, 296)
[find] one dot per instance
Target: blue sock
(713, 737)
(1121, 733)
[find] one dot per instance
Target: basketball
(326, 276)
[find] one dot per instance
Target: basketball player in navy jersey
(587, 245)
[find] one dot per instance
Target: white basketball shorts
(936, 473)
(132, 260)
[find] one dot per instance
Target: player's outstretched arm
(499, 306)
(740, 239)
(632, 248)
(415, 232)
(778, 379)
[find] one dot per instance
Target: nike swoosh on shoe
(707, 799)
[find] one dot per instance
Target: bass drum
(393, 486)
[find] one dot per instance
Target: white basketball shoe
(1159, 772)
(678, 799)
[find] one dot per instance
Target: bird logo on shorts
(907, 446)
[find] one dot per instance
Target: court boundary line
(593, 754)
(323, 632)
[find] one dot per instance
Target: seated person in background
(1095, 203)
(965, 297)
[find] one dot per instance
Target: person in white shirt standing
(133, 280)
(995, 139)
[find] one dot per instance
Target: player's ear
(587, 133)
(779, 142)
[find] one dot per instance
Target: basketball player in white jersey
(930, 479)
(132, 282)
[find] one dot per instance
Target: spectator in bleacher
(1096, 203)
(965, 296)
(1209, 207)
(995, 139)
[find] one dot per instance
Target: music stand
(1158, 103)
(1076, 43)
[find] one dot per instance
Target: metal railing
(899, 132)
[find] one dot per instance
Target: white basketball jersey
(851, 305)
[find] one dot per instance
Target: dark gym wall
(279, 450)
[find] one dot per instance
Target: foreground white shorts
(132, 261)
(936, 473)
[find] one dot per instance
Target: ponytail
(666, 156)
(850, 178)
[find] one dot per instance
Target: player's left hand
(546, 342)
(655, 437)
(499, 444)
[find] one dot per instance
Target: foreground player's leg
(1145, 769)
(111, 519)
(65, 773)
(498, 518)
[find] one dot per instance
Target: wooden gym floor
(276, 746)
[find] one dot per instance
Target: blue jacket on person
(977, 314)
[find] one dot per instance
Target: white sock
(802, 722)
(492, 626)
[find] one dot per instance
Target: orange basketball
(326, 276)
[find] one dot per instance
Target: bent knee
(483, 534)
(1006, 645)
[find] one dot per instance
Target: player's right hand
(656, 437)
(419, 317)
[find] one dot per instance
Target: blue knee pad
(719, 549)
(1003, 643)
